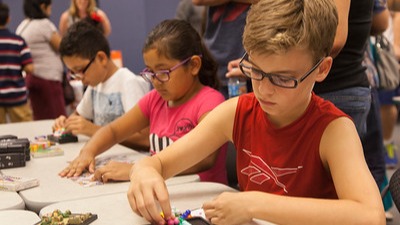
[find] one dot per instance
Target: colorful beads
(173, 221)
(178, 218)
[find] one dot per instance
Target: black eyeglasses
(281, 81)
(80, 74)
(161, 75)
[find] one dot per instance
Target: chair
(394, 188)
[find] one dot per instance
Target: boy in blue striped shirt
(15, 57)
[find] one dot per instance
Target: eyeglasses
(161, 75)
(282, 81)
(80, 74)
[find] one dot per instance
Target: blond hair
(275, 26)
(73, 9)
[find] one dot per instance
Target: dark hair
(32, 8)
(4, 13)
(94, 23)
(84, 40)
(177, 39)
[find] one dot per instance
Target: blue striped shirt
(14, 55)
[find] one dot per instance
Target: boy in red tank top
(299, 158)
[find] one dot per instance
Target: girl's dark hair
(177, 39)
(32, 8)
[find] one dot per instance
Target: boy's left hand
(117, 171)
(227, 208)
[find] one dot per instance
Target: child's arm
(359, 199)
(147, 185)
(204, 164)
(115, 132)
(138, 141)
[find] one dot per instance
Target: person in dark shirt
(347, 85)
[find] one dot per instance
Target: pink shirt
(167, 124)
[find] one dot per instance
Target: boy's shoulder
(123, 77)
(123, 71)
(124, 74)
(6, 33)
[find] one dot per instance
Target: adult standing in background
(194, 14)
(81, 9)
(223, 33)
(15, 57)
(347, 85)
(44, 85)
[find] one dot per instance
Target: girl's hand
(228, 208)
(147, 187)
(113, 170)
(81, 163)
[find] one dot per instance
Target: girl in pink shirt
(183, 75)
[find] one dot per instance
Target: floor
(393, 210)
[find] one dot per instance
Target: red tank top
(284, 161)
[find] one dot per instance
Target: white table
(20, 217)
(10, 200)
(115, 208)
(27, 129)
(52, 187)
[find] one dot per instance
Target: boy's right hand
(81, 163)
(59, 123)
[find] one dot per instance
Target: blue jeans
(362, 105)
(373, 141)
(355, 102)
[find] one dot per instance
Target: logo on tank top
(259, 171)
